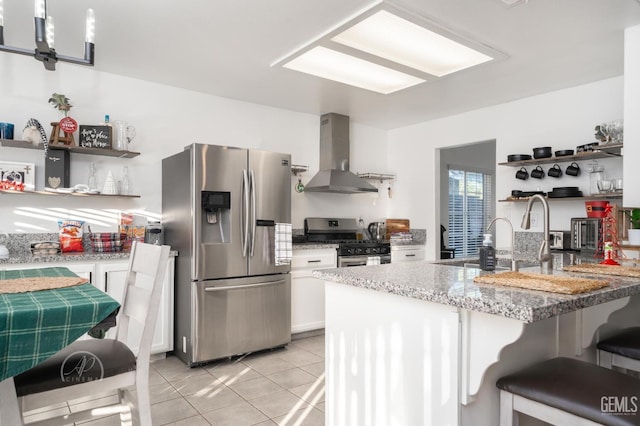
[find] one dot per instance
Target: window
(470, 209)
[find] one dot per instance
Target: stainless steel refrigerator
(228, 213)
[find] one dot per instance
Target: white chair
(73, 372)
(621, 350)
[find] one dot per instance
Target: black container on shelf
(57, 169)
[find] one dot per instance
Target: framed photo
(17, 176)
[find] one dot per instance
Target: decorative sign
(17, 176)
(68, 125)
(95, 136)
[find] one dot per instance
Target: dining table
(42, 311)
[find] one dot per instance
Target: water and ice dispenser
(216, 217)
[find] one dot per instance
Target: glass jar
(596, 173)
(91, 181)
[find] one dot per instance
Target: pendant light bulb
(40, 9)
(50, 32)
(90, 29)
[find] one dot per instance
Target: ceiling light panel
(396, 39)
(333, 65)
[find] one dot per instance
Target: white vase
(634, 237)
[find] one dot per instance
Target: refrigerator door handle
(240, 287)
(244, 213)
(253, 210)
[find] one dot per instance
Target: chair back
(141, 298)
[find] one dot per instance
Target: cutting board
(542, 282)
(397, 225)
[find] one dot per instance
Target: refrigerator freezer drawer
(236, 316)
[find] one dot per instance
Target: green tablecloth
(36, 325)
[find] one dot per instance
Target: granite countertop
(310, 246)
(69, 257)
(454, 286)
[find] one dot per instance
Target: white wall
(167, 119)
(632, 110)
(561, 119)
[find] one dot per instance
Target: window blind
(470, 209)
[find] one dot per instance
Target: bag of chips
(70, 232)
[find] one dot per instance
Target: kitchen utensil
(521, 194)
(573, 169)
(617, 185)
(377, 230)
(537, 173)
(542, 152)
(518, 157)
(596, 173)
(604, 186)
(564, 152)
(555, 171)
(522, 174)
(124, 135)
(565, 191)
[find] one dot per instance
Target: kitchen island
(421, 343)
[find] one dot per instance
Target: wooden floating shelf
(14, 143)
(604, 151)
(297, 168)
(376, 176)
(64, 194)
(587, 198)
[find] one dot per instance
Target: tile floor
(277, 387)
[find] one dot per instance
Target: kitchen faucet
(514, 262)
(544, 255)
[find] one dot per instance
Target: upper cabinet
(631, 171)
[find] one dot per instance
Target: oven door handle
(353, 262)
(241, 287)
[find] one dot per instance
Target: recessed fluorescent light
(388, 36)
(333, 65)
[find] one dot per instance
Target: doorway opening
(467, 196)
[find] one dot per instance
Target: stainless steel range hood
(334, 175)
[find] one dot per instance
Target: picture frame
(96, 136)
(17, 176)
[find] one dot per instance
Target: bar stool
(621, 350)
(566, 391)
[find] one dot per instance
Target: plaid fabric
(103, 242)
(36, 325)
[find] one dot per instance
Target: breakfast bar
(422, 343)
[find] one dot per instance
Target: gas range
(343, 231)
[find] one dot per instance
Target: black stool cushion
(578, 387)
(80, 362)
(626, 343)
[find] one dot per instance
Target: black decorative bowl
(542, 152)
(518, 157)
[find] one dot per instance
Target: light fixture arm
(43, 52)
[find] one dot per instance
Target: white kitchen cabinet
(307, 293)
(407, 253)
(110, 278)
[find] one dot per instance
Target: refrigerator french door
(221, 209)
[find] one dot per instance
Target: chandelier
(45, 42)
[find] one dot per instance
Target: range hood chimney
(334, 175)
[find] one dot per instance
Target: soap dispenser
(487, 254)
